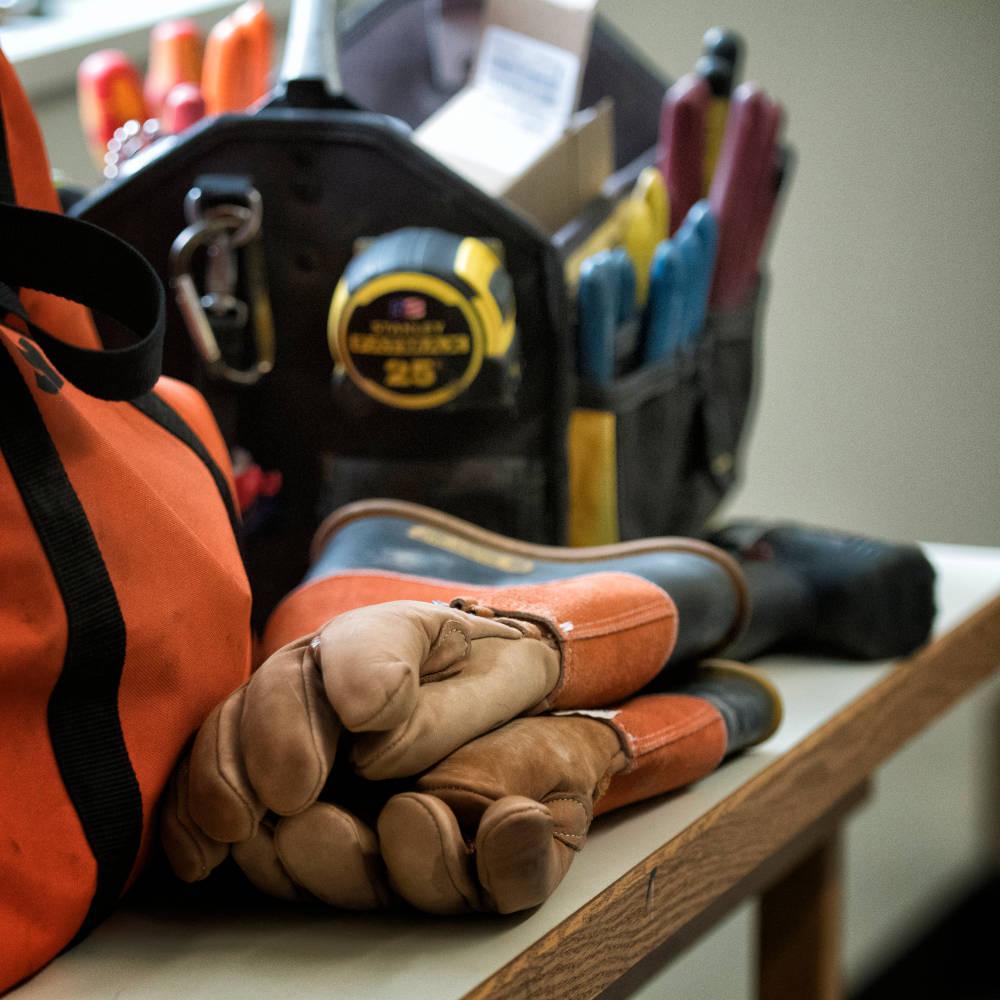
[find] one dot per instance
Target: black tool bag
(328, 175)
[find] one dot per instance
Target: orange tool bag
(124, 606)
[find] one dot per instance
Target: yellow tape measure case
(424, 319)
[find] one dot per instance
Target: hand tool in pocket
(310, 76)
(742, 189)
(718, 74)
(644, 224)
(175, 51)
(605, 299)
(773, 168)
(665, 313)
(700, 227)
(495, 826)
(109, 93)
(719, 65)
(652, 188)
(419, 314)
(728, 45)
(637, 222)
(692, 249)
(680, 155)
(238, 55)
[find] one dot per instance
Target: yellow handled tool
(638, 223)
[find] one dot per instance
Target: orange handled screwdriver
(182, 107)
(253, 14)
(174, 57)
(237, 60)
(226, 80)
(109, 93)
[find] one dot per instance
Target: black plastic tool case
(329, 176)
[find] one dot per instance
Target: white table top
(281, 952)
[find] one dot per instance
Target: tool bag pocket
(507, 490)
(654, 452)
(728, 376)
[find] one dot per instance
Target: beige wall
(880, 409)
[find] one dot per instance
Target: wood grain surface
(670, 889)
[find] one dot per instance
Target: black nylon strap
(162, 413)
(84, 725)
(81, 262)
(76, 260)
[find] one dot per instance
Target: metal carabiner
(203, 232)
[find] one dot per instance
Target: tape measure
(417, 314)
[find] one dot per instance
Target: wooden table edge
(604, 938)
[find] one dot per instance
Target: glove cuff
(614, 632)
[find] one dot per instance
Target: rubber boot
(386, 550)
(819, 591)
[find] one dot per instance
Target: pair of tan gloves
(453, 755)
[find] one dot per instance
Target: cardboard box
(558, 185)
(516, 116)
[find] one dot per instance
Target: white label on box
(514, 110)
(534, 79)
(484, 139)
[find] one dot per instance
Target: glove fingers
(220, 797)
(519, 856)
(335, 856)
(373, 659)
(500, 680)
(191, 853)
(258, 858)
(429, 864)
(288, 730)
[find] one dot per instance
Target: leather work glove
(327, 851)
(411, 682)
(496, 825)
